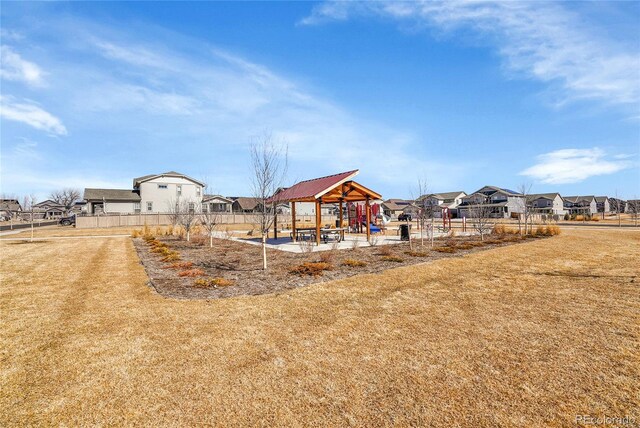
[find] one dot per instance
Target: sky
(457, 94)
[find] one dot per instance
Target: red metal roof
(317, 186)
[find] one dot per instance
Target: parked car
(404, 217)
(68, 221)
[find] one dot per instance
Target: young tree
(209, 219)
(480, 212)
(425, 210)
(525, 208)
(27, 206)
(184, 212)
(66, 197)
(269, 168)
(633, 208)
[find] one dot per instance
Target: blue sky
(459, 94)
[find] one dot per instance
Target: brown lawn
(524, 335)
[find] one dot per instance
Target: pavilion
(338, 188)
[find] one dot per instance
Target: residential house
(437, 202)
(580, 204)
(216, 204)
(48, 209)
(602, 204)
(633, 207)
(498, 203)
(617, 205)
(242, 204)
(546, 203)
(394, 207)
(155, 193)
(10, 208)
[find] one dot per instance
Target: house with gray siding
(437, 202)
(580, 204)
(602, 204)
(546, 203)
(10, 208)
(501, 203)
(392, 208)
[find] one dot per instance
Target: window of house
(192, 207)
(149, 206)
(204, 208)
(162, 186)
(179, 189)
(197, 190)
(136, 207)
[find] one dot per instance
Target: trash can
(338, 225)
(404, 232)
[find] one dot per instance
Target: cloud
(574, 165)
(538, 40)
(31, 114)
(14, 67)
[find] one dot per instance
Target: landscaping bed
(193, 270)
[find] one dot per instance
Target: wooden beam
(368, 220)
(293, 220)
(318, 220)
(340, 214)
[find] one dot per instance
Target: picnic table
(325, 233)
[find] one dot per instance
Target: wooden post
(368, 208)
(275, 223)
(340, 215)
(318, 220)
(293, 221)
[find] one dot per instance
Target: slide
(385, 220)
(372, 228)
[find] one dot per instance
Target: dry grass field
(525, 335)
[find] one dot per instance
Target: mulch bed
(241, 264)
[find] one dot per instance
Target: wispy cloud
(14, 67)
(31, 114)
(574, 165)
(541, 40)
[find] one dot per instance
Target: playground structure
(333, 189)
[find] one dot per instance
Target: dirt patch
(241, 264)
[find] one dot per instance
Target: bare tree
(66, 197)
(210, 219)
(269, 167)
(480, 212)
(184, 212)
(525, 208)
(425, 210)
(28, 206)
(633, 208)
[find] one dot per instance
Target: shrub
(394, 259)
(552, 230)
(169, 231)
(499, 229)
(353, 263)
(595, 219)
(213, 282)
(164, 251)
(355, 244)
(466, 245)
(136, 233)
(199, 240)
(179, 265)
(327, 256)
(384, 250)
(445, 249)
(191, 272)
(416, 253)
(579, 217)
(310, 268)
(173, 256)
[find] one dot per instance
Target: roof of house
(551, 196)
(111, 195)
(443, 195)
(48, 203)
(207, 198)
(396, 204)
(499, 189)
(576, 199)
(10, 205)
(246, 203)
(138, 180)
(601, 199)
